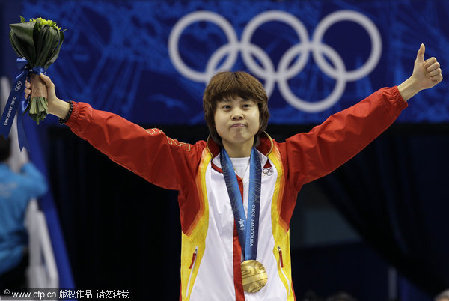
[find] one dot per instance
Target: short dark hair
(5, 148)
(239, 83)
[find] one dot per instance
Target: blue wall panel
(116, 55)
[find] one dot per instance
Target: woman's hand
(56, 106)
(426, 74)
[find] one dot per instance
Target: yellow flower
(43, 22)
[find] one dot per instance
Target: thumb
(47, 82)
(420, 55)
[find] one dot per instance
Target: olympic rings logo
(18, 86)
(285, 69)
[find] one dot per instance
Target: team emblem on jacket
(268, 171)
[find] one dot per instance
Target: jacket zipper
(191, 267)
(281, 262)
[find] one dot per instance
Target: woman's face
(237, 120)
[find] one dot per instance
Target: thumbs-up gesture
(426, 73)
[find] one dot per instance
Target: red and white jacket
(211, 253)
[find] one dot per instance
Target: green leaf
(14, 43)
(22, 48)
(47, 44)
(22, 19)
(51, 36)
(41, 41)
(55, 53)
(33, 109)
(37, 108)
(24, 41)
(45, 104)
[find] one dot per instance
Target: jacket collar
(265, 145)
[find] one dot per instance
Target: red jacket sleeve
(315, 154)
(148, 153)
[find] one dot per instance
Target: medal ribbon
(247, 227)
(16, 102)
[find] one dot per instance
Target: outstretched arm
(316, 153)
(426, 74)
(147, 153)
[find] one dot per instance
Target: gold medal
(254, 276)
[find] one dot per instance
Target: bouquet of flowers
(39, 42)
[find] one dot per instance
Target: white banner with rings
(285, 70)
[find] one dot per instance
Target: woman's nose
(236, 114)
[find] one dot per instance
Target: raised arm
(327, 146)
(148, 153)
